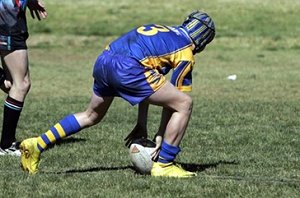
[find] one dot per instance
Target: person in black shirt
(14, 74)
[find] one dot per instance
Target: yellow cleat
(30, 155)
(170, 170)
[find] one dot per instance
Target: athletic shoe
(170, 170)
(12, 150)
(30, 155)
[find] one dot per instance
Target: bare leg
(33, 147)
(17, 85)
(175, 117)
(180, 104)
(16, 66)
(95, 112)
(74, 123)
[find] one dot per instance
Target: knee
(187, 104)
(23, 86)
(26, 85)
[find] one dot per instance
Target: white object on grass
(232, 77)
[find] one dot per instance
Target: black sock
(11, 114)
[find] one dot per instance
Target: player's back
(152, 42)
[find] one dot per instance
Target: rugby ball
(140, 155)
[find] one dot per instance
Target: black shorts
(13, 42)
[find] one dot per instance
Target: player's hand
(37, 9)
(158, 141)
(137, 132)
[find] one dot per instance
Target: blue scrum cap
(200, 28)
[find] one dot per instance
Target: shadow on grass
(188, 166)
(203, 167)
(93, 169)
(68, 140)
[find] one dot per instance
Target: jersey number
(153, 30)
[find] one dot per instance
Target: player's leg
(15, 64)
(178, 106)
(71, 124)
(176, 115)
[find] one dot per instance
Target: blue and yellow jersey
(161, 48)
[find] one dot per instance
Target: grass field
(243, 139)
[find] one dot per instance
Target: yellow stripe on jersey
(172, 59)
(155, 79)
(185, 88)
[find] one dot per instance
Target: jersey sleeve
(182, 76)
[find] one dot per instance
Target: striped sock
(65, 127)
(168, 153)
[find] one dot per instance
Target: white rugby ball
(140, 155)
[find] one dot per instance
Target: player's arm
(140, 129)
(165, 117)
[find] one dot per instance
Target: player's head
(200, 28)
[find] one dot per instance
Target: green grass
(243, 138)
